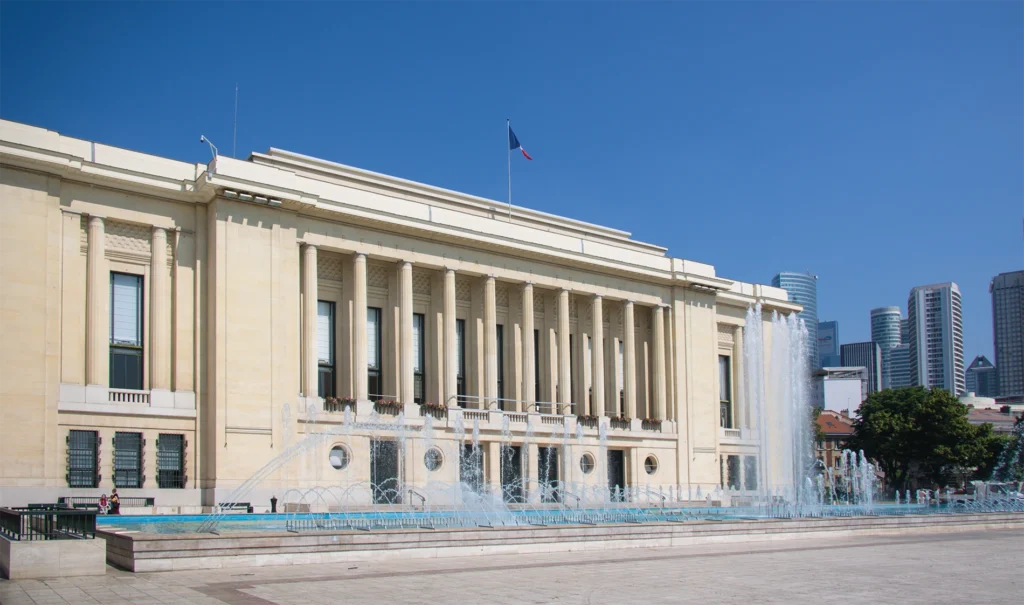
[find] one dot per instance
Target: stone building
(173, 328)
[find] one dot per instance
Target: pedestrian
(115, 502)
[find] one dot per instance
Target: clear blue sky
(879, 145)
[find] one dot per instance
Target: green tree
(1009, 465)
(819, 435)
(921, 437)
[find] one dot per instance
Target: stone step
(151, 552)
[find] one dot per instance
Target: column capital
(359, 256)
(95, 219)
(597, 297)
(404, 262)
(159, 230)
(308, 246)
(449, 270)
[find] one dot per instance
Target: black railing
(47, 522)
(83, 501)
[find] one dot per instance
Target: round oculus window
(339, 457)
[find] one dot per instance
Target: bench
(235, 506)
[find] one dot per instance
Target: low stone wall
(35, 559)
(164, 552)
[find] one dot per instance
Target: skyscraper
(899, 364)
(904, 331)
(885, 332)
(981, 378)
(828, 344)
(936, 337)
(865, 354)
(1008, 330)
(803, 289)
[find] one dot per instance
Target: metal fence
(47, 522)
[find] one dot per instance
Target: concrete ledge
(162, 552)
(52, 558)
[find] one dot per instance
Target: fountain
(429, 470)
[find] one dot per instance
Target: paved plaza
(974, 567)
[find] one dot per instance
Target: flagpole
(508, 148)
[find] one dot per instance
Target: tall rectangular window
(500, 339)
(621, 378)
(325, 347)
(125, 331)
(170, 461)
(460, 361)
(536, 365)
(127, 459)
(418, 357)
(374, 379)
(572, 376)
(83, 458)
(724, 392)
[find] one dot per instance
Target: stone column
(97, 317)
(159, 314)
(359, 352)
(451, 355)
(405, 383)
(739, 398)
(309, 313)
(629, 372)
(564, 369)
(597, 358)
(659, 363)
(529, 354)
(490, 343)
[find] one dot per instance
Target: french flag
(513, 144)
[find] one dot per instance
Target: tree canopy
(922, 438)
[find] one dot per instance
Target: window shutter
(323, 332)
(417, 335)
(372, 326)
(460, 345)
(622, 364)
(126, 298)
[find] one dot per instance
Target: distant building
(937, 337)
(803, 290)
(1002, 420)
(1007, 291)
(885, 332)
(899, 364)
(838, 428)
(828, 344)
(867, 355)
(904, 331)
(840, 389)
(981, 378)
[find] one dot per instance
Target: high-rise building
(981, 378)
(904, 331)
(828, 344)
(936, 337)
(899, 367)
(803, 290)
(885, 332)
(865, 354)
(1008, 330)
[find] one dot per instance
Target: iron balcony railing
(47, 522)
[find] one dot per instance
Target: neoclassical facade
(172, 328)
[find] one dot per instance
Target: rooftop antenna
(234, 135)
(213, 148)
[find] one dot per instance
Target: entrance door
(547, 474)
(471, 467)
(384, 472)
(616, 476)
(512, 474)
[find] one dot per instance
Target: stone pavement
(972, 567)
